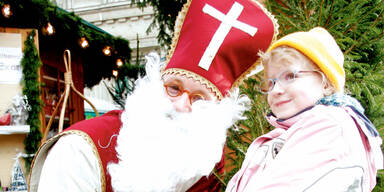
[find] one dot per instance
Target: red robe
(101, 129)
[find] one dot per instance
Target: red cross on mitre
(217, 42)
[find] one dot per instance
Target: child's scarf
(343, 100)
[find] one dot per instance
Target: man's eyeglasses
(285, 78)
(175, 90)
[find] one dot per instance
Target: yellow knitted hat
(318, 45)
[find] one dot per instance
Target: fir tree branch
(356, 42)
(321, 9)
(304, 2)
(330, 13)
(364, 16)
(379, 37)
(344, 9)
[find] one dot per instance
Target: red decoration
(5, 119)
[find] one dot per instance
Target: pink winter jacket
(323, 149)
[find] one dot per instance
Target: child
(322, 140)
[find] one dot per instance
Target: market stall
(33, 37)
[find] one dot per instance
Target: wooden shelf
(14, 129)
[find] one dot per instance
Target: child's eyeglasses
(175, 90)
(284, 78)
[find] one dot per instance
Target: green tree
(165, 12)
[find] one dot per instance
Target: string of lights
(53, 22)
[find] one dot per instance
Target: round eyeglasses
(284, 78)
(175, 90)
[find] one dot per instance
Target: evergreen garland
(37, 13)
(31, 88)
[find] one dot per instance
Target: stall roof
(87, 23)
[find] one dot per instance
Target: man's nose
(182, 103)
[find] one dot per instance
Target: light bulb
(49, 28)
(119, 62)
(107, 51)
(84, 43)
(115, 73)
(6, 11)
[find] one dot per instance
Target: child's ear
(327, 89)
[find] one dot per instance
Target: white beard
(160, 149)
